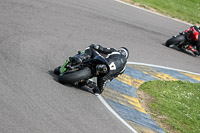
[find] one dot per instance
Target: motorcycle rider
(116, 59)
(194, 38)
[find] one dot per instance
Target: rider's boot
(197, 53)
(194, 50)
(78, 58)
(96, 90)
(190, 47)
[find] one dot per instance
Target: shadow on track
(55, 78)
(177, 49)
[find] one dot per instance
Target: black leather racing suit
(115, 60)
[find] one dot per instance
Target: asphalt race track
(38, 35)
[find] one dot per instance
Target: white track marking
(101, 98)
(152, 12)
(136, 63)
(112, 111)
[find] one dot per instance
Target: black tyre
(175, 40)
(71, 78)
(57, 70)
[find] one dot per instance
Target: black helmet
(124, 51)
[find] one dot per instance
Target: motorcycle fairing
(63, 68)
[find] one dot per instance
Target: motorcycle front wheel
(175, 40)
(71, 78)
(57, 70)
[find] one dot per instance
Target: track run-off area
(38, 35)
(122, 97)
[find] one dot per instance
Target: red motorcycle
(185, 41)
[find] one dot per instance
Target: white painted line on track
(145, 64)
(137, 63)
(112, 111)
(101, 98)
(151, 12)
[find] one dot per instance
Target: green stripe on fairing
(63, 69)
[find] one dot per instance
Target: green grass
(178, 102)
(186, 10)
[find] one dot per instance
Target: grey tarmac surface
(38, 35)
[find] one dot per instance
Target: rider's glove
(95, 46)
(182, 33)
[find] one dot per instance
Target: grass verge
(175, 105)
(186, 10)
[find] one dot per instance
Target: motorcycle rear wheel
(71, 78)
(175, 40)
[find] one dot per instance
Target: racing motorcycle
(75, 74)
(184, 41)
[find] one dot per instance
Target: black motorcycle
(184, 42)
(73, 73)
